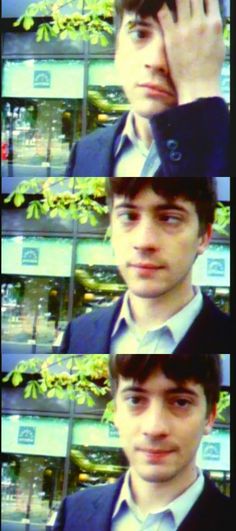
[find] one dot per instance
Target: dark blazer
(91, 333)
(192, 139)
(92, 509)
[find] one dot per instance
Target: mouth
(146, 266)
(155, 455)
(156, 90)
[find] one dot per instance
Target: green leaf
(28, 390)
(51, 393)
(7, 377)
(28, 22)
(18, 200)
(16, 378)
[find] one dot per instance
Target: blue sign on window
(26, 435)
(42, 79)
(211, 451)
(30, 256)
(216, 267)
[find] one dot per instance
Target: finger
(183, 8)
(213, 8)
(197, 8)
(165, 18)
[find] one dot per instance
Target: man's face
(155, 241)
(142, 65)
(161, 423)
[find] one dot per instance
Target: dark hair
(199, 190)
(142, 7)
(150, 7)
(204, 369)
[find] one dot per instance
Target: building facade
(54, 93)
(56, 269)
(52, 448)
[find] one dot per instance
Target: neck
(150, 496)
(143, 129)
(149, 313)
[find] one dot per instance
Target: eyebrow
(158, 208)
(180, 389)
(137, 21)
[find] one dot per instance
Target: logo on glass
(26, 435)
(30, 256)
(42, 79)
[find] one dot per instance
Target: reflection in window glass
(96, 455)
(35, 287)
(32, 467)
(106, 100)
(41, 115)
(97, 279)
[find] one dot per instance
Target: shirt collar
(179, 507)
(129, 134)
(174, 324)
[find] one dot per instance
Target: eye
(134, 401)
(127, 217)
(138, 34)
(182, 403)
(170, 219)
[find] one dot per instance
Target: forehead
(148, 198)
(131, 17)
(157, 383)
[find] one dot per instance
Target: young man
(163, 407)
(159, 227)
(169, 56)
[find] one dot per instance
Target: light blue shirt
(128, 517)
(132, 157)
(127, 338)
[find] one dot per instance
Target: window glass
(97, 280)
(35, 286)
(32, 468)
(106, 100)
(41, 115)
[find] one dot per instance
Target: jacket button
(171, 144)
(175, 156)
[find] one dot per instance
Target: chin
(148, 110)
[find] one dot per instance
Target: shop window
(41, 115)
(106, 99)
(96, 456)
(97, 280)
(32, 468)
(35, 287)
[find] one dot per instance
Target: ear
(210, 420)
(205, 239)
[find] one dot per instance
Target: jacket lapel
(100, 512)
(97, 337)
(96, 157)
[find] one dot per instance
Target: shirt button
(171, 144)
(175, 156)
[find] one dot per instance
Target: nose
(155, 55)
(155, 424)
(146, 237)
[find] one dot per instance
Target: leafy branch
(80, 201)
(74, 377)
(87, 21)
(81, 378)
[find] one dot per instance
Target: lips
(158, 89)
(156, 451)
(146, 265)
